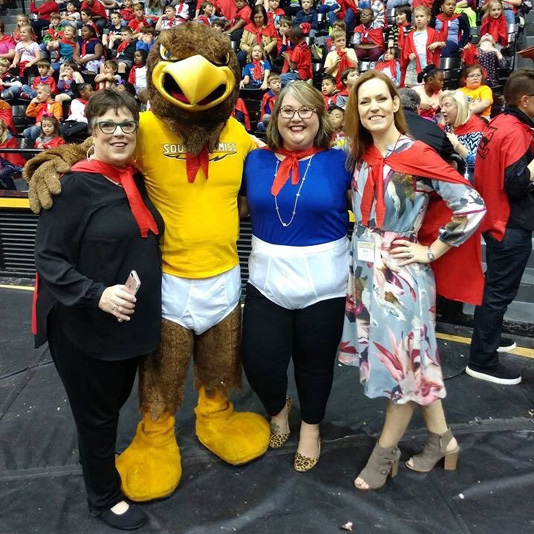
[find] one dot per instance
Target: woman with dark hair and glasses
(296, 192)
(258, 31)
(100, 229)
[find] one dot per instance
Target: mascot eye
(166, 54)
(222, 61)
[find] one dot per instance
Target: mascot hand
(44, 170)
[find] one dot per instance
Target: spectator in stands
(293, 309)
(43, 12)
(112, 32)
(340, 59)
(326, 7)
(50, 136)
(168, 20)
(8, 141)
(348, 79)
(432, 79)
(7, 44)
(368, 37)
(108, 76)
(240, 19)
(69, 77)
(147, 40)
(41, 105)
(27, 52)
(30, 91)
(76, 123)
(10, 84)
(494, 23)
(421, 47)
(100, 16)
(154, 9)
(259, 31)
(329, 90)
(396, 34)
(65, 47)
(422, 129)
(137, 77)
(510, 10)
(139, 21)
(7, 173)
(464, 129)
(387, 256)
(480, 96)
(21, 20)
(72, 14)
(504, 173)
(275, 13)
(256, 70)
(52, 33)
(126, 50)
(453, 28)
(283, 44)
(298, 60)
(126, 11)
(206, 12)
(337, 118)
(390, 65)
(89, 51)
(269, 99)
(6, 114)
(219, 25)
(379, 10)
(306, 18)
(97, 330)
(490, 58)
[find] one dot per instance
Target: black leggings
(272, 335)
(97, 390)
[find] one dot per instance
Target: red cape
(13, 157)
(372, 35)
(458, 273)
(505, 140)
(444, 32)
(497, 27)
(474, 124)
(409, 47)
(240, 106)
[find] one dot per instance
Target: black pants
(272, 335)
(97, 390)
(506, 262)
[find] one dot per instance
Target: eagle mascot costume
(191, 153)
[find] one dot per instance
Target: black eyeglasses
(109, 127)
(303, 113)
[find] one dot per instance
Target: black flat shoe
(132, 519)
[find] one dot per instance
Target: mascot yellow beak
(194, 83)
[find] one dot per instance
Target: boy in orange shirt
(41, 105)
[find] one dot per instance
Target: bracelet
(430, 254)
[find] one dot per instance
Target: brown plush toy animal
(191, 153)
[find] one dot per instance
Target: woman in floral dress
(389, 329)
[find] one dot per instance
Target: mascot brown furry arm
(191, 152)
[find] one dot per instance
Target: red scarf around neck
(193, 163)
(85, 44)
(258, 32)
(123, 176)
(421, 160)
(444, 32)
(290, 166)
(343, 64)
(497, 28)
(122, 47)
(258, 70)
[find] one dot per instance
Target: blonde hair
(424, 9)
(337, 34)
(44, 87)
(486, 8)
(463, 113)
(249, 55)
(307, 95)
(361, 138)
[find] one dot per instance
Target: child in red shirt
(50, 136)
(298, 61)
(240, 20)
(29, 92)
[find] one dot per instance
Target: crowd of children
(69, 49)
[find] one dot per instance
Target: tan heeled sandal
(277, 439)
(381, 463)
(434, 450)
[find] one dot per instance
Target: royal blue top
(322, 209)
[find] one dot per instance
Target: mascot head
(193, 83)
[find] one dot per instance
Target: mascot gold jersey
(191, 153)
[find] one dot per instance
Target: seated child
(329, 90)
(297, 65)
(206, 12)
(337, 118)
(40, 106)
(126, 11)
(494, 23)
(137, 76)
(43, 67)
(10, 84)
(256, 70)
(339, 59)
(108, 77)
(390, 65)
(76, 123)
(50, 136)
(125, 51)
(146, 40)
(168, 20)
(8, 141)
(368, 37)
(65, 46)
(348, 78)
(218, 25)
(69, 77)
(27, 52)
(112, 31)
(306, 18)
(139, 21)
(275, 13)
(491, 58)
(241, 18)
(269, 99)
(71, 14)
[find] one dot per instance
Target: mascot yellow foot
(236, 438)
(151, 466)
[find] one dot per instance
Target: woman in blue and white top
(296, 191)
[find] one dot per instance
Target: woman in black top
(100, 228)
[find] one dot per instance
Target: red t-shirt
(45, 10)
(301, 55)
(48, 81)
(135, 24)
(242, 14)
(97, 8)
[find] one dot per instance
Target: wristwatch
(430, 254)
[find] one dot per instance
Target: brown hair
(468, 70)
(307, 95)
(109, 100)
(520, 83)
(360, 137)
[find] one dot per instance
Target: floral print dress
(389, 329)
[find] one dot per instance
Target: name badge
(366, 251)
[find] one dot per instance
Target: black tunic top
(88, 241)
